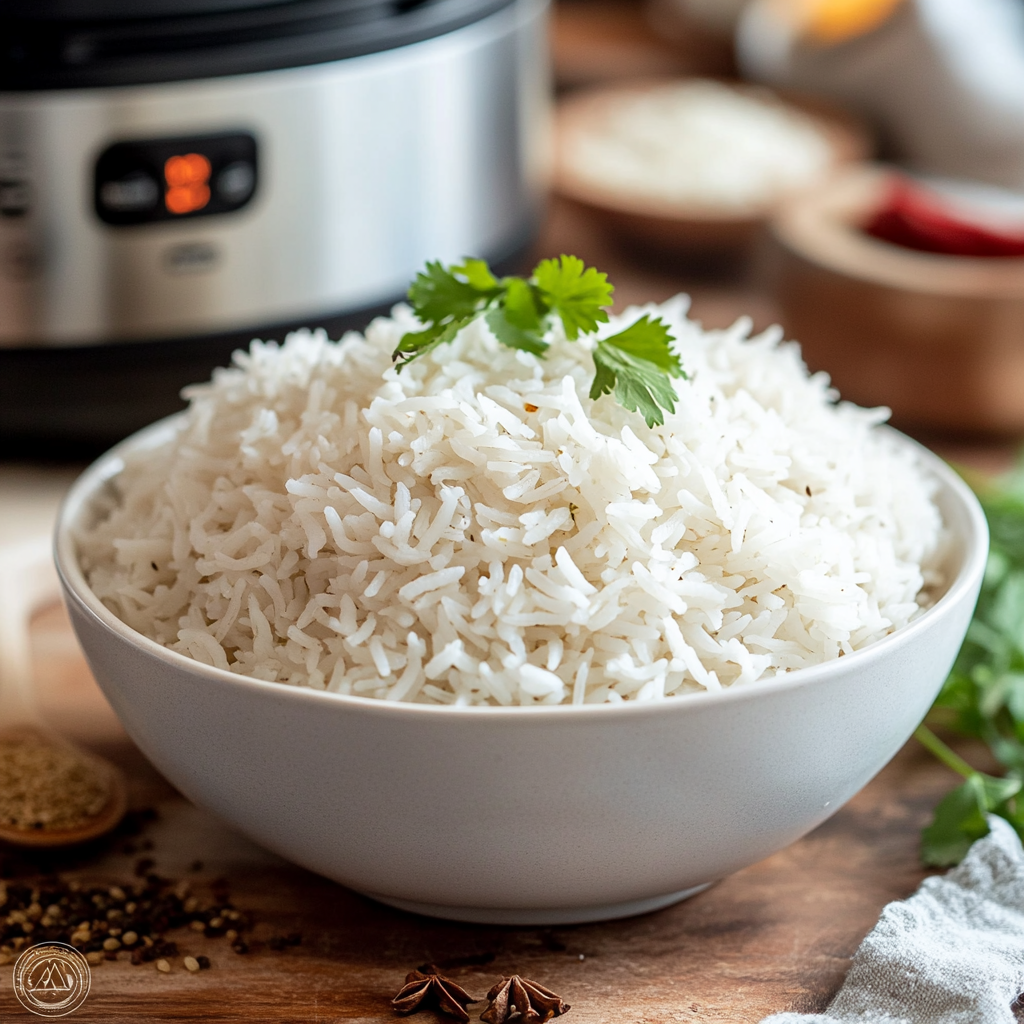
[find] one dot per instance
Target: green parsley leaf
(576, 293)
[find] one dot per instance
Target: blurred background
(177, 178)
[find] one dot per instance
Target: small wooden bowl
(682, 228)
(938, 339)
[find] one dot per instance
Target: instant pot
(178, 177)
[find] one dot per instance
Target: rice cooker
(178, 177)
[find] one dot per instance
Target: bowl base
(530, 916)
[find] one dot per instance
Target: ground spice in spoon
(44, 785)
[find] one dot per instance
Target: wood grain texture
(775, 936)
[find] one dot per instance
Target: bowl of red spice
(910, 294)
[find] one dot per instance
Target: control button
(187, 180)
(134, 193)
(236, 182)
(14, 198)
(149, 180)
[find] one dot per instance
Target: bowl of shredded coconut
(696, 163)
(477, 643)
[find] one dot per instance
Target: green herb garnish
(636, 364)
(983, 698)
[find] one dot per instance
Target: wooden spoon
(28, 582)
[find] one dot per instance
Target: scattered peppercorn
(100, 921)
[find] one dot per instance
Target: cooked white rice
(475, 530)
(699, 142)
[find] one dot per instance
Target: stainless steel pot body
(367, 167)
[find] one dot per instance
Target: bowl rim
(107, 466)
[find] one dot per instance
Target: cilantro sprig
(636, 365)
(983, 697)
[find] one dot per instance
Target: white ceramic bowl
(542, 815)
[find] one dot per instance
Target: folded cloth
(951, 954)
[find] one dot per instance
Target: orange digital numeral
(187, 180)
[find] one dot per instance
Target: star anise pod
(516, 1000)
(428, 989)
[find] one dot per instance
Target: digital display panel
(175, 179)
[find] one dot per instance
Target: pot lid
(61, 44)
(106, 10)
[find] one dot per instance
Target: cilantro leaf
(477, 274)
(576, 293)
(962, 815)
(521, 305)
(638, 384)
(415, 343)
(511, 335)
(959, 820)
(649, 340)
(635, 364)
(437, 294)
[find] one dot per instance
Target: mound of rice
(476, 530)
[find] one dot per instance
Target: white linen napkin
(953, 953)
